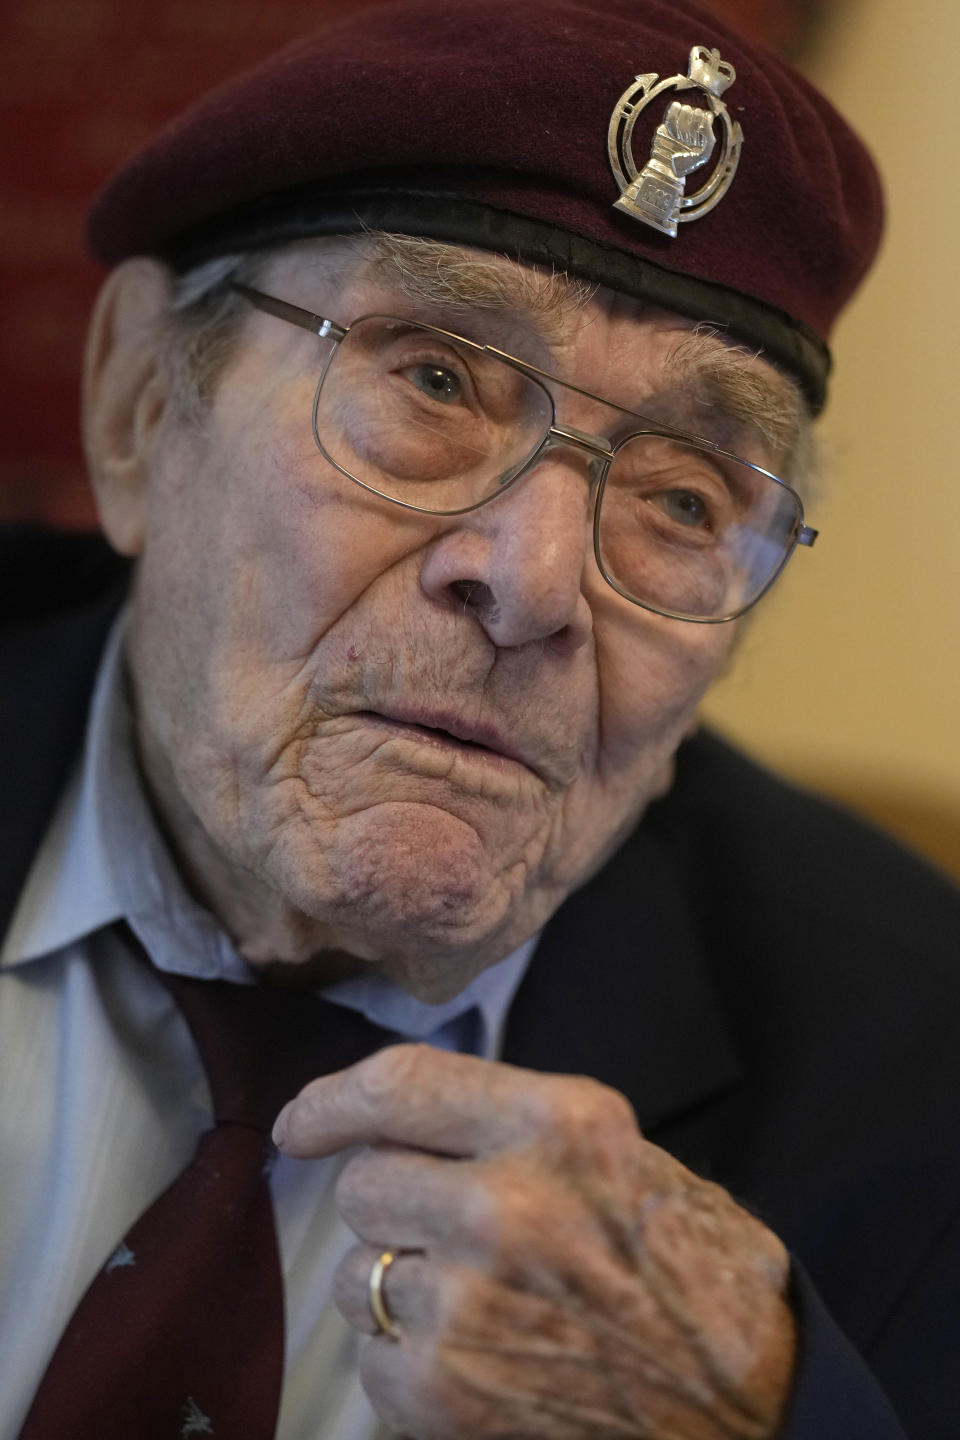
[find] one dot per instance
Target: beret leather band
(445, 215)
(640, 144)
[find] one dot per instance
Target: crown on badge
(707, 70)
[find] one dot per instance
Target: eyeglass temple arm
(283, 310)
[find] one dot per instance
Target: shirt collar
(490, 993)
(103, 859)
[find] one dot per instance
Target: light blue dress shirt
(103, 1094)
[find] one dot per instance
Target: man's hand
(567, 1280)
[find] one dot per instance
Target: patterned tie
(181, 1331)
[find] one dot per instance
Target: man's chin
(405, 890)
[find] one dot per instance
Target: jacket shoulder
(59, 593)
(774, 842)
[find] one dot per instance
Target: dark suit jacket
(775, 987)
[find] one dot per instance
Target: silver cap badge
(683, 142)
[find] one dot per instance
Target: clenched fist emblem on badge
(682, 143)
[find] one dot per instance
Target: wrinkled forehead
(640, 356)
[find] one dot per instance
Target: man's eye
(436, 381)
(685, 507)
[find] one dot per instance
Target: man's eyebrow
(740, 395)
(450, 277)
(721, 386)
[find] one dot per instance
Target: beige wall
(850, 677)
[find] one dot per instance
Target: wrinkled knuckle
(480, 1217)
(706, 1197)
(585, 1116)
(393, 1069)
(559, 1106)
(457, 1305)
(614, 1113)
(521, 1230)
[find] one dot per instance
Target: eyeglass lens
(418, 417)
(689, 531)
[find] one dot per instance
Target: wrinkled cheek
(646, 712)
(650, 700)
(234, 751)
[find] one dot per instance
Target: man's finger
(403, 1198)
(455, 1105)
(406, 1290)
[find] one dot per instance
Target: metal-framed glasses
(437, 423)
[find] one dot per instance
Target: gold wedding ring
(378, 1304)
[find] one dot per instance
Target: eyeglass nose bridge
(562, 437)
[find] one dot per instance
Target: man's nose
(517, 564)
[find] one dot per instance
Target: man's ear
(125, 395)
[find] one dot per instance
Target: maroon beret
(492, 123)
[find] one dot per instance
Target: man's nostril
(474, 594)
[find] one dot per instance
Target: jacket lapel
(619, 989)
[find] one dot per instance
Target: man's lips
(482, 740)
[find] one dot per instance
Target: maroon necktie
(180, 1333)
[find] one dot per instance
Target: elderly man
(451, 396)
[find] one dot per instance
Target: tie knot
(261, 1043)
